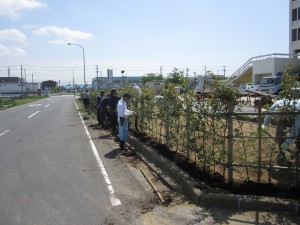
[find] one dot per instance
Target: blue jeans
(123, 130)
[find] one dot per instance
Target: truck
(157, 86)
(271, 85)
(203, 84)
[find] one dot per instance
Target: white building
(16, 85)
(32, 87)
(103, 82)
(269, 65)
(294, 27)
(11, 85)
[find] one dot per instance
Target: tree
(49, 84)
(151, 77)
(176, 77)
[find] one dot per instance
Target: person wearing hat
(113, 102)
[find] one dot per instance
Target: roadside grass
(10, 102)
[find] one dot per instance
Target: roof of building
(10, 79)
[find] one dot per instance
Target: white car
(245, 88)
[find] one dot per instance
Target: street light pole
(84, 83)
(123, 78)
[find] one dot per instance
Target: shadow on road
(106, 136)
(113, 154)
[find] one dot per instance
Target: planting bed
(215, 180)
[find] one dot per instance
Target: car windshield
(267, 81)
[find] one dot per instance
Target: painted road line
(33, 105)
(47, 105)
(33, 114)
(4, 132)
(113, 199)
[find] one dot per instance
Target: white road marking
(47, 105)
(33, 114)
(4, 132)
(113, 199)
(35, 105)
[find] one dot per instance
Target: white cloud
(12, 35)
(11, 51)
(10, 8)
(29, 26)
(62, 34)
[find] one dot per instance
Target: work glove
(284, 146)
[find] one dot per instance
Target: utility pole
(32, 83)
(224, 70)
(187, 73)
(25, 81)
(97, 78)
(8, 71)
(73, 85)
(100, 79)
(123, 78)
(161, 69)
(22, 80)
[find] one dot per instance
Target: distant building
(32, 87)
(116, 82)
(69, 88)
(14, 85)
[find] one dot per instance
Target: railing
(240, 71)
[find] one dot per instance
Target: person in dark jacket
(98, 101)
(86, 98)
(113, 102)
(104, 110)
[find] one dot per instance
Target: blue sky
(137, 36)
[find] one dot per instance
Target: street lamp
(83, 61)
(123, 78)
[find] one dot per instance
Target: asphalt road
(52, 173)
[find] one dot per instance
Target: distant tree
(50, 84)
(176, 77)
(151, 77)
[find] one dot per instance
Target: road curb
(199, 195)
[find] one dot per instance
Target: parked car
(245, 88)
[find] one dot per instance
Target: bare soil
(216, 180)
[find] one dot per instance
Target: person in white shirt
(123, 114)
